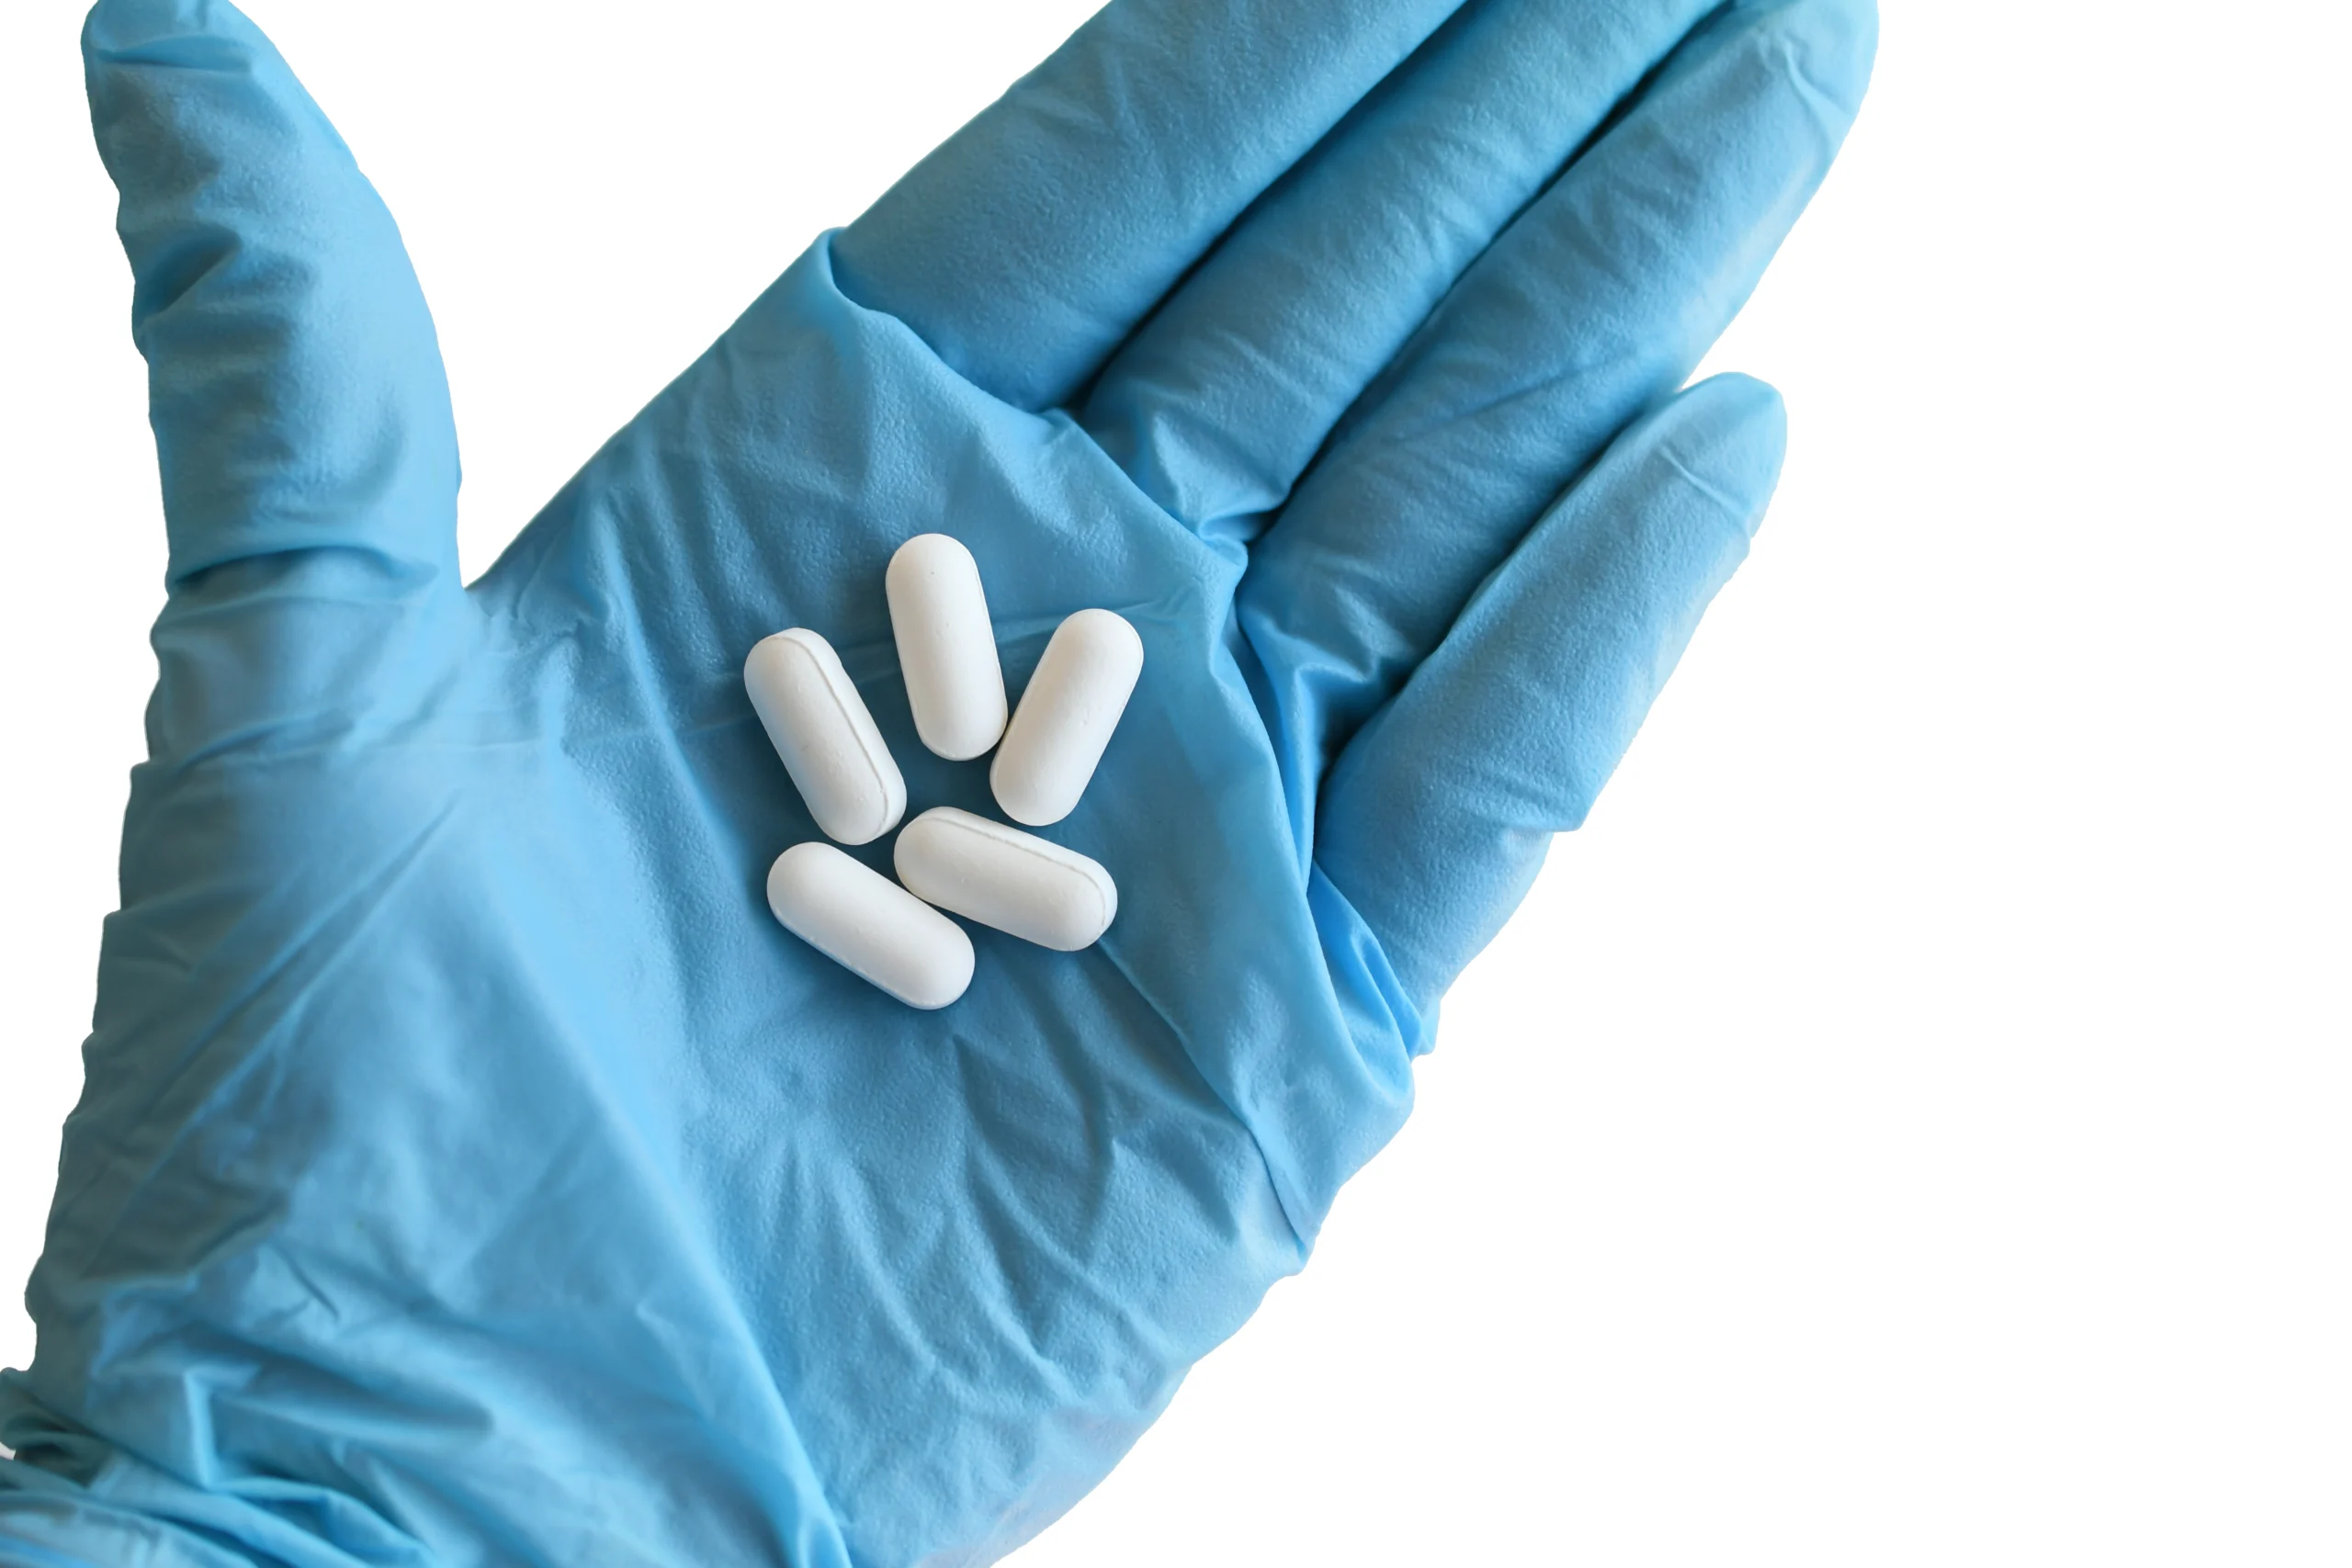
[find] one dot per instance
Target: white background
(1911, 1123)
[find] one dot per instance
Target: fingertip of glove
(1730, 434)
(1831, 46)
(165, 77)
(188, 34)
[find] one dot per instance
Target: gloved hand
(469, 1169)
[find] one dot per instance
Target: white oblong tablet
(1003, 877)
(1065, 717)
(870, 926)
(946, 648)
(819, 726)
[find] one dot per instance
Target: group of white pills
(892, 933)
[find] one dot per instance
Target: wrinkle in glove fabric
(469, 1170)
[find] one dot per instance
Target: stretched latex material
(469, 1168)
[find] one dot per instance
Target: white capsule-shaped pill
(870, 926)
(1065, 717)
(821, 730)
(1003, 877)
(946, 648)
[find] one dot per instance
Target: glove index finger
(1441, 810)
(1035, 239)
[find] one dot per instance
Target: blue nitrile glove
(471, 1170)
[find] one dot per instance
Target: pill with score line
(1065, 717)
(869, 925)
(1003, 877)
(821, 728)
(939, 616)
